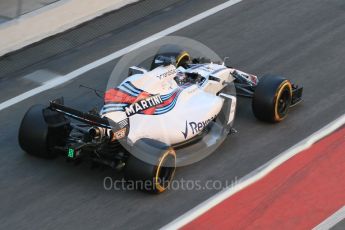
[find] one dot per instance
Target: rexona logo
(142, 105)
(195, 127)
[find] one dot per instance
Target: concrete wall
(52, 19)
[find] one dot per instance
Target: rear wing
(88, 118)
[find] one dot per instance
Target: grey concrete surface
(303, 40)
(10, 9)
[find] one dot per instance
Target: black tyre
(37, 137)
(181, 57)
(272, 98)
(153, 173)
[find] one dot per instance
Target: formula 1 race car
(180, 103)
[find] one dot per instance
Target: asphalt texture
(303, 40)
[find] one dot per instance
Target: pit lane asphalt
(303, 40)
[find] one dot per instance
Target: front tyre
(272, 98)
(155, 172)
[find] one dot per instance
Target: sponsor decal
(185, 133)
(131, 100)
(167, 74)
(195, 127)
(120, 134)
(142, 105)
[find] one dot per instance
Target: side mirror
(135, 70)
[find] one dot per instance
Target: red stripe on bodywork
(114, 95)
(118, 96)
(167, 102)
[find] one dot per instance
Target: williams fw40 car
(180, 103)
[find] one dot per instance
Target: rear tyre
(36, 136)
(156, 172)
(272, 98)
(182, 57)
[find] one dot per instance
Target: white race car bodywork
(161, 109)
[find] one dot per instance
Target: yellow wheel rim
(157, 183)
(277, 96)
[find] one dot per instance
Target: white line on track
(332, 220)
(255, 175)
(76, 73)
